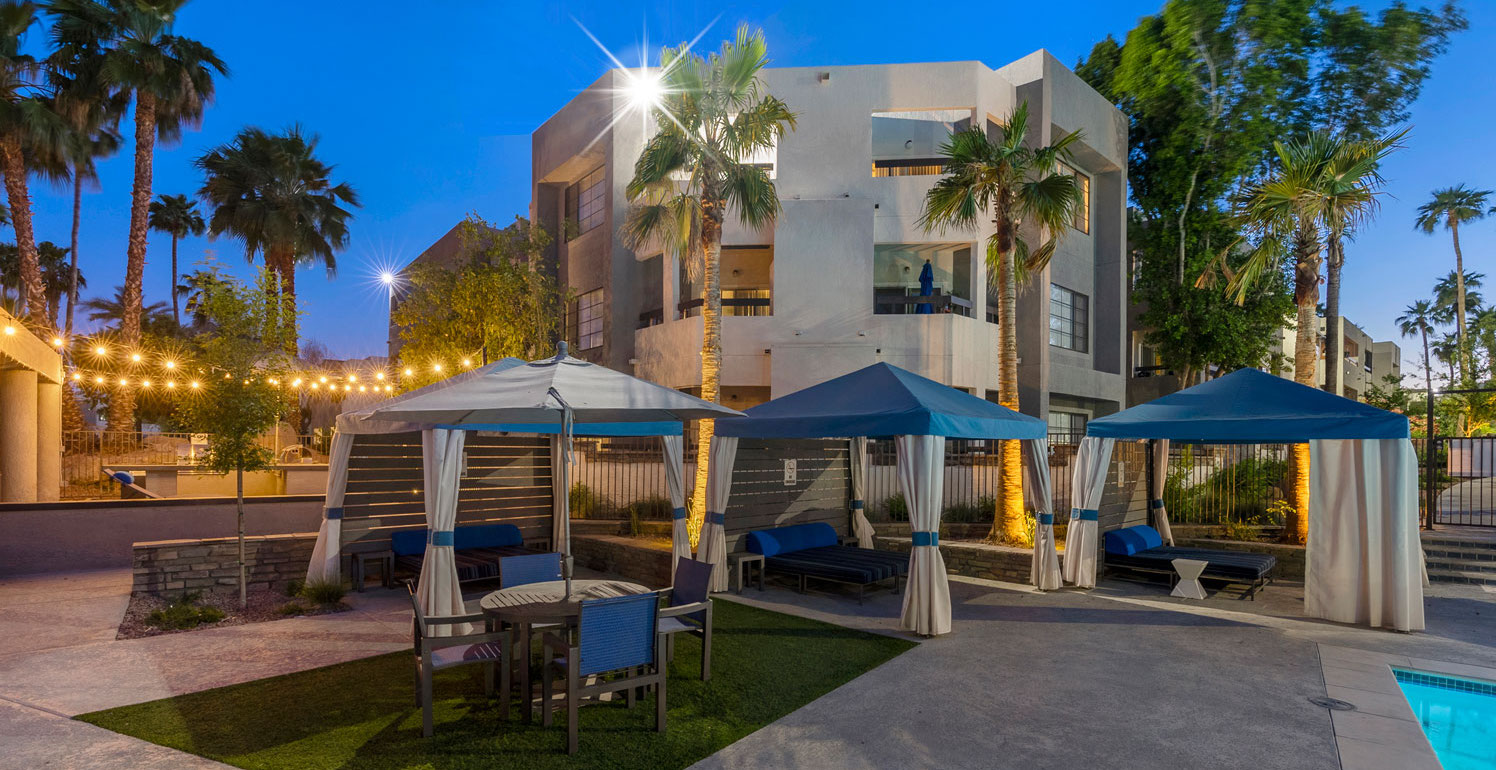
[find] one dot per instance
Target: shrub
(184, 613)
(588, 504)
(895, 507)
(324, 591)
(653, 508)
(291, 608)
(293, 587)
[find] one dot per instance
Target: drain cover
(1332, 704)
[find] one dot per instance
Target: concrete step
(1451, 552)
(1461, 576)
(1436, 540)
(1460, 565)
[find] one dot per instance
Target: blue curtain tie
(332, 513)
(1083, 514)
(715, 518)
(678, 514)
(1046, 519)
(858, 505)
(926, 538)
(440, 537)
(1156, 503)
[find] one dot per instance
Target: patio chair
(618, 647)
(435, 653)
(530, 568)
(689, 610)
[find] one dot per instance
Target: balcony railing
(909, 167)
(901, 302)
(650, 318)
(733, 306)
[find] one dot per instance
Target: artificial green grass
(363, 714)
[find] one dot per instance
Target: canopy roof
(528, 397)
(1249, 406)
(882, 400)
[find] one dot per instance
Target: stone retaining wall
(271, 561)
(643, 560)
(978, 560)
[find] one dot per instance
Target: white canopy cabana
(560, 396)
(1364, 559)
(878, 401)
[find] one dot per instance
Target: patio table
(543, 603)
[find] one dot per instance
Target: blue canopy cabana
(1363, 558)
(883, 400)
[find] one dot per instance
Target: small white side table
(1189, 571)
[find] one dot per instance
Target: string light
(465, 362)
(101, 351)
(379, 375)
(98, 380)
(145, 383)
(196, 385)
(57, 342)
(170, 364)
(409, 371)
(10, 331)
(436, 368)
(135, 357)
(171, 384)
(353, 378)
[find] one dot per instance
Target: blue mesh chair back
(530, 568)
(617, 632)
(693, 581)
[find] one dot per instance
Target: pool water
(1458, 715)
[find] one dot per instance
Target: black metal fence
(1464, 480)
(1227, 483)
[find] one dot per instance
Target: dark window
(1069, 318)
(584, 203)
(1083, 211)
(1068, 424)
(587, 329)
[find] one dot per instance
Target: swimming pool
(1458, 715)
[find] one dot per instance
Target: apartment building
(835, 283)
(1364, 361)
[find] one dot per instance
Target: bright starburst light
(643, 88)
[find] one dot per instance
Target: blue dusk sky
(427, 109)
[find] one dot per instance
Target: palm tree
(1419, 319)
(155, 317)
(1447, 294)
(129, 46)
(1452, 207)
(1446, 350)
(27, 122)
(193, 288)
(712, 116)
(271, 191)
(57, 274)
(178, 216)
(1351, 187)
(1015, 185)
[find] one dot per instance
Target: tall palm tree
(178, 216)
(56, 276)
(129, 46)
(1351, 189)
(272, 192)
(713, 115)
(1446, 350)
(1418, 319)
(1452, 207)
(110, 311)
(193, 288)
(27, 122)
(1447, 295)
(1014, 185)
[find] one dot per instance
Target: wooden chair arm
(442, 642)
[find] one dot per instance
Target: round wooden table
(542, 603)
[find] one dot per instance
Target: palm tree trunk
(176, 313)
(1459, 288)
(73, 252)
(1306, 351)
(1333, 337)
(122, 401)
(32, 290)
(1009, 525)
(711, 354)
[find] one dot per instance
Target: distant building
(1365, 362)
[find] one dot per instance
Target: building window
(1083, 211)
(584, 203)
(1069, 318)
(909, 142)
(588, 327)
(1065, 425)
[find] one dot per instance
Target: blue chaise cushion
(409, 542)
(487, 536)
(796, 537)
(1132, 540)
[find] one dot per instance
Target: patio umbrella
(926, 288)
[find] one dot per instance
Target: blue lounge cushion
(1132, 540)
(487, 536)
(796, 537)
(124, 477)
(409, 542)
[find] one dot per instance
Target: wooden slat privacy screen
(760, 498)
(507, 479)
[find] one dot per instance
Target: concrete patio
(1120, 677)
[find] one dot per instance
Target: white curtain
(560, 496)
(1364, 557)
(713, 546)
(1156, 489)
(1045, 571)
(1086, 487)
(437, 591)
(326, 564)
(675, 485)
(927, 597)
(861, 527)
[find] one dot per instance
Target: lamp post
(388, 278)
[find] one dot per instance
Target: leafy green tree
(1011, 183)
(498, 301)
(177, 216)
(1450, 208)
(246, 357)
(713, 115)
(130, 47)
(272, 192)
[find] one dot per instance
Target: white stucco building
(827, 289)
(1364, 361)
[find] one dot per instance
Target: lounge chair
(476, 548)
(813, 551)
(1140, 550)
